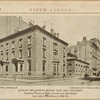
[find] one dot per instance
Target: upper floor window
(2, 47)
(1, 56)
(44, 53)
(55, 46)
(7, 56)
(44, 41)
(29, 52)
(20, 42)
(55, 56)
(13, 44)
(13, 54)
(64, 50)
(64, 58)
(6, 46)
(20, 54)
(29, 40)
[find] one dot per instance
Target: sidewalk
(31, 81)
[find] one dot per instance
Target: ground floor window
(21, 67)
(7, 68)
(43, 67)
(16, 67)
(55, 69)
(29, 67)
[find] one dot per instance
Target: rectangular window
(29, 40)
(6, 46)
(54, 69)
(6, 68)
(63, 67)
(7, 56)
(64, 50)
(43, 68)
(2, 48)
(44, 41)
(64, 59)
(13, 54)
(29, 65)
(21, 67)
(44, 53)
(55, 55)
(20, 43)
(16, 68)
(55, 46)
(13, 44)
(1, 56)
(20, 54)
(29, 52)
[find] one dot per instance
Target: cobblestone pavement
(56, 82)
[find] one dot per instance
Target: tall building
(88, 51)
(33, 52)
(11, 24)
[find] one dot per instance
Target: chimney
(52, 31)
(31, 23)
(84, 39)
(44, 27)
(57, 35)
(54, 34)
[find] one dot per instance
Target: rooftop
(31, 29)
(77, 60)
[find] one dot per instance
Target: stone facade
(33, 52)
(76, 67)
(88, 51)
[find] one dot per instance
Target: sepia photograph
(50, 50)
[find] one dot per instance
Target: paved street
(50, 82)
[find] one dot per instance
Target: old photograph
(50, 50)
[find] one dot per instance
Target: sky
(71, 28)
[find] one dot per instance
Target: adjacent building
(11, 24)
(33, 52)
(76, 67)
(88, 51)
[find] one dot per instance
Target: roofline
(78, 60)
(31, 29)
(71, 54)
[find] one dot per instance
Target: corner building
(33, 52)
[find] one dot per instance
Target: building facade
(88, 51)
(76, 67)
(11, 24)
(33, 52)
